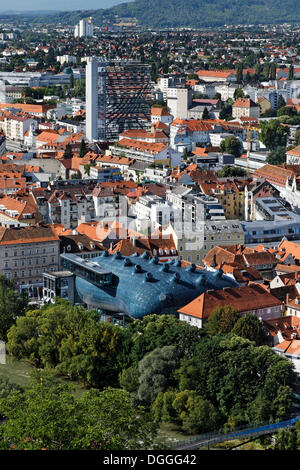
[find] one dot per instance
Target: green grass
(18, 372)
(169, 434)
(254, 445)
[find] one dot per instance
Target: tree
(157, 331)
(239, 73)
(238, 93)
(286, 439)
(129, 379)
(156, 373)
(226, 111)
(273, 71)
(163, 409)
(222, 320)
(231, 145)
(286, 111)
(71, 340)
(72, 81)
(192, 76)
(245, 382)
(250, 327)
(277, 157)
(83, 149)
(229, 171)
(281, 102)
(273, 134)
(201, 416)
(6, 388)
(291, 72)
(48, 416)
(12, 306)
(87, 169)
(297, 137)
(205, 114)
(68, 153)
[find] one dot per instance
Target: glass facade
(123, 97)
(93, 275)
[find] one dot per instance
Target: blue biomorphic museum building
(139, 285)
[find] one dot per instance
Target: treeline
(201, 380)
(196, 13)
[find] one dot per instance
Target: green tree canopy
(250, 327)
(222, 320)
(83, 148)
(205, 114)
(68, 153)
(239, 378)
(273, 134)
(277, 157)
(48, 416)
(232, 145)
(71, 340)
(156, 373)
(12, 306)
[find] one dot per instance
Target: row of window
(29, 252)
(23, 274)
(30, 262)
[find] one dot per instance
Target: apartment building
(15, 126)
(26, 252)
(245, 107)
(194, 240)
(253, 300)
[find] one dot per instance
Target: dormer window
(69, 248)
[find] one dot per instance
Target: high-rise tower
(118, 97)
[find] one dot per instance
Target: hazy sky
(23, 5)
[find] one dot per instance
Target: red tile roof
(243, 299)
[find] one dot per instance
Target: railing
(213, 438)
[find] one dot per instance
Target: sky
(22, 5)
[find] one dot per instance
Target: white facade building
(84, 29)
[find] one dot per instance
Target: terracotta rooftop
(243, 299)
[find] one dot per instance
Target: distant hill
(188, 13)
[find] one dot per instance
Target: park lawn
(18, 372)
